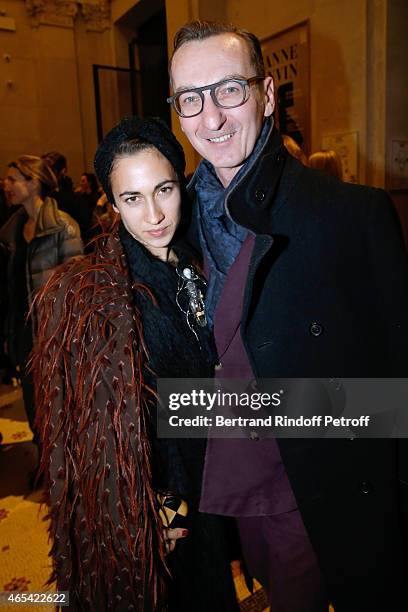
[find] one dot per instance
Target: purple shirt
(241, 477)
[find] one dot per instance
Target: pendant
(190, 296)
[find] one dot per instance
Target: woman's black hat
(150, 130)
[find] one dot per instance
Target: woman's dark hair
(131, 147)
(128, 137)
(32, 167)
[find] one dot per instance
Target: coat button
(316, 329)
(259, 195)
(365, 487)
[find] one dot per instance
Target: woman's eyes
(133, 199)
(136, 198)
(166, 189)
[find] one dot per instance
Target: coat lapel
(228, 313)
(262, 245)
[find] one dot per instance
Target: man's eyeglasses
(225, 94)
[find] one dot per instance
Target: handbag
(172, 510)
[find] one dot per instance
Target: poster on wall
(346, 147)
(287, 60)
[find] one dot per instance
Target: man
(307, 278)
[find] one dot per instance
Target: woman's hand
(171, 536)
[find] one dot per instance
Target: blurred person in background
(6, 208)
(327, 161)
(58, 164)
(64, 193)
(79, 204)
(89, 186)
(104, 213)
(88, 190)
(34, 241)
(294, 149)
(9, 375)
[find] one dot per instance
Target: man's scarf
(220, 237)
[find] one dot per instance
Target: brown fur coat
(92, 406)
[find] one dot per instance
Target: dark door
(154, 81)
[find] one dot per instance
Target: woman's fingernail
(184, 533)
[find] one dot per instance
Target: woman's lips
(157, 233)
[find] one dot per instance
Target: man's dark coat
(327, 296)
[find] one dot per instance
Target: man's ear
(269, 96)
(115, 208)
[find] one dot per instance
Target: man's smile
(222, 138)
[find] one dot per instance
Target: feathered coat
(95, 398)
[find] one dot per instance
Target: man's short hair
(200, 30)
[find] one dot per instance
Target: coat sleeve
(91, 405)
(387, 270)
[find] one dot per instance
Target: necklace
(190, 297)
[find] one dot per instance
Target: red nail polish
(184, 533)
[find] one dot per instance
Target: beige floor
(24, 562)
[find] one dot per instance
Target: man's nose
(154, 214)
(213, 116)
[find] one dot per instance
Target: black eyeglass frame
(211, 88)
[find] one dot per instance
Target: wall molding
(62, 13)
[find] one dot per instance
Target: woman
(294, 149)
(111, 325)
(37, 238)
(89, 185)
(85, 198)
(327, 161)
